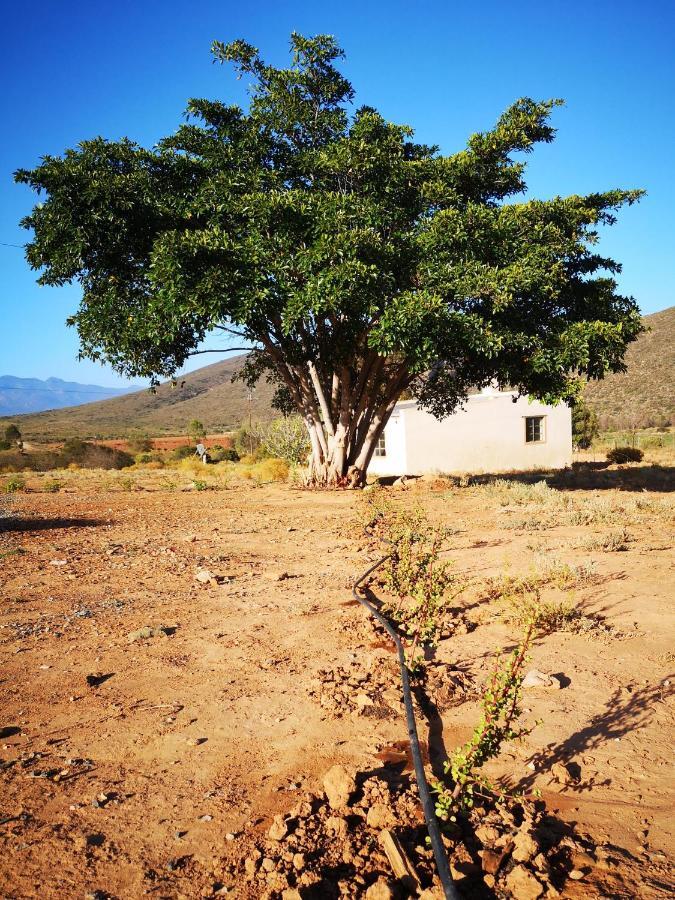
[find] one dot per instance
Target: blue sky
(74, 70)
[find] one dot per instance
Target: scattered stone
(146, 632)
(492, 860)
(576, 875)
(381, 890)
(196, 741)
(537, 679)
(380, 816)
(206, 818)
(278, 830)
(229, 836)
(336, 826)
(291, 894)
(299, 861)
(339, 785)
(203, 576)
(523, 885)
(272, 575)
(525, 847)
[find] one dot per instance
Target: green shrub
(5, 445)
(620, 455)
(223, 454)
(52, 486)
(585, 426)
(139, 442)
(93, 456)
(182, 452)
(14, 484)
(200, 485)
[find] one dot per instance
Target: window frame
(541, 420)
(380, 450)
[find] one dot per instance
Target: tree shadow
(19, 525)
(587, 476)
(619, 717)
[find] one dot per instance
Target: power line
(18, 246)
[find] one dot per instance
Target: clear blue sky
(78, 69)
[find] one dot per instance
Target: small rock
(339, 785)
(379, 816)
(363, 700)
(206, 818)
(203, 576)
(576, 875)
(268, 864)
(299, 861)
(145, 633)
(278, 830)
(336, 826)
(272, 575)
(229, 836)
(537, 679)
(525, 847)
(523, 885)
(196, 741)
(381, 890)
(492, 860)
(291, 894)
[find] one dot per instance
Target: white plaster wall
(488, 435)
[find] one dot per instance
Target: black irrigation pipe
(449, 889)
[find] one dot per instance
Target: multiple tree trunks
(345, 412)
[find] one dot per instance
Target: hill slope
(28, 395)
(645, 394)
(207, 394)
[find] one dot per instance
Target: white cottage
(493, 432)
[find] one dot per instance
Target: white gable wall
(487, 435)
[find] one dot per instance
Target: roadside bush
(52, 486)
(621, 455)
(139, 442)
(14, 484)
(182, 452)
(286, 438)
(93, 456)
(247, 442)
(272, 470)
(218, 453)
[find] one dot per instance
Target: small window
(380, 446)
(534, 429)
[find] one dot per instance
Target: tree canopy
(355, 262)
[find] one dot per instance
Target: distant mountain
(207, 394)
(644, 395)
(28, 395)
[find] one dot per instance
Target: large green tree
(355, 262)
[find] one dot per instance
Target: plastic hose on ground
(440, 856)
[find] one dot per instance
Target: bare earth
(161, 776)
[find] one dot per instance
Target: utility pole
(250, 420)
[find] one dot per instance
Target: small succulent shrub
(182, 452)
(497, 726)
(413, 573)
(621, 455)
(218, 453)
(93, 456)
(199, 485)
(14, 484)
(52, 486)
(271, 470)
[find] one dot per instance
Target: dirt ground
(161, 772)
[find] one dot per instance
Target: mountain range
(28, 395)
(640, 397)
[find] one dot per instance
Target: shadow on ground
(27, 525)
